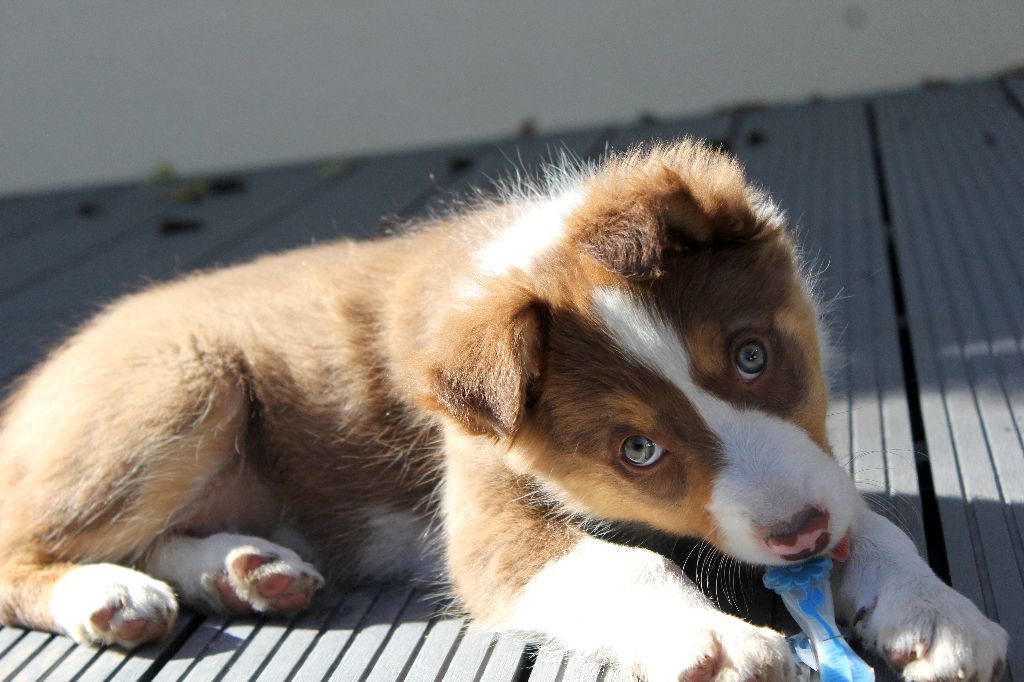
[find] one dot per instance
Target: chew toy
(806, 592)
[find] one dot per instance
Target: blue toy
(805, 590)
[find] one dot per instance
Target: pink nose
(806, 534)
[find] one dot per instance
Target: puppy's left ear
(668, 199)
(487, 361)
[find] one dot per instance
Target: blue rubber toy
(807, 594)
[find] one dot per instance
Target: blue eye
(751, 360)
(641, 451)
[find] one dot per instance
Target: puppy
(635, 344)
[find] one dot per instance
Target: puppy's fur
(483, 370)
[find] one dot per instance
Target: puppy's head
(658, 360)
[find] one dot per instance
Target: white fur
(639, 609)
(903, 604)
(397, 545)
(194, 564)
(86, 590)
(772, 470)
(539, 227)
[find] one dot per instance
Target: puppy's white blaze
(773, 469)
(645, 336)
(539, 227)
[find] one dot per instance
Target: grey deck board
(46, 659)
(251, 648)
(373, 634)
(24, 215)
(279, 663)
(22, 652)
(405, 639)
(952, 162)
(548, 665)
(77, 659)
(133, 218)
(223, 648)
(336, 636)
(364, 202)
(9, 636)
(1016, 88)
(437, 648)
(190, 653)
(506, 656)
(470, 656)
(49, 248)
(262, 645)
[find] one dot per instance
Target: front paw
(928, 631)
(108, 604)
(722, 648)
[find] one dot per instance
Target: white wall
(105, 89)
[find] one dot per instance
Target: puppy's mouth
(841, 552)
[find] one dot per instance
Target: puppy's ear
(644, 203)
(490, 357)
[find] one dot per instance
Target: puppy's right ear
(485, 363)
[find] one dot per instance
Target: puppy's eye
(750, 360)
(641, 451)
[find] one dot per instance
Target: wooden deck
(914, 201)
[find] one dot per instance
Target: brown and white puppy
(636, 343)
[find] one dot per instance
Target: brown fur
(644, 205)
(313, 386)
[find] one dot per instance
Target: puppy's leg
(898, 606)
(518, 567)
(99, 461)
(641, 609)
(92, 603)
(235, 573)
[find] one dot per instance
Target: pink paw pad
(229, 599)
(267, 583)
(273, 584)
(134, 630)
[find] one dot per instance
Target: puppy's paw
(928, 631)
(109, 604)
(265, 578)
(721, 648)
